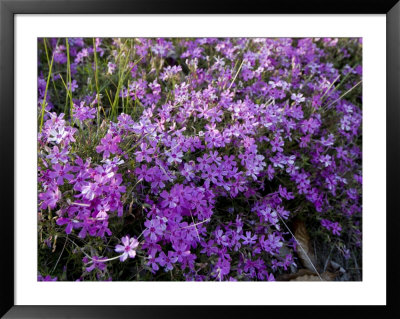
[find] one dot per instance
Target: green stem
(97, 83)
(47, 86)
(69, 78)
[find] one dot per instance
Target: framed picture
(193, 160)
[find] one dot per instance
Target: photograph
(199, 159)
(166, 159)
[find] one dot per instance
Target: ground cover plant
(209, 159)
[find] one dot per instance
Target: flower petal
(123, 257)
(125, 240)
(119, 248)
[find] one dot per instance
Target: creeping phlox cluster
(188, 159)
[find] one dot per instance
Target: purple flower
(298, 98)
(71, 224)
(46, 278)
(143, 173)
(167, 261)
(169, 199)
(127, 248)
(272, 244)
(153, 229)
(57, 156)
(169, 72)
(144, 153)
(152, 262)
(90, 190)
(334, 227)
(181, 251)
(188, 171)
(60, 173)
(72, 86)
(222, 268)
(277, 144)
(111, 68)
(97, 263)
(82, 112)
(326, 160)
(50, 198)
(109, 144)
(248, 239)
(57, 135)
(174, 157)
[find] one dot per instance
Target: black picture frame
(8, 8)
